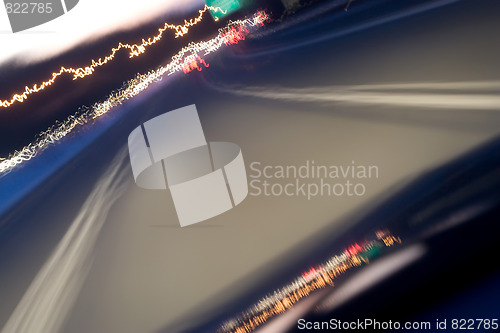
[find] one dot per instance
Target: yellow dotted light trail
(184, 61)
(135, 51)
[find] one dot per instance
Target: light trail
(233, 32)
(193, 62)
(54, 290)
(316, 278)
(135, 51)
(474, 95)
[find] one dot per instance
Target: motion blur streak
(372, 275)
(49, 298)
(327, 301)
(135, 51)
(454, 95)
(328, 35)
(476, 85)
(182, 61)
(315, 278)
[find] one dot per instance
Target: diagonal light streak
(480, 95)
(233, 32)
(135, 51)
(50, 296)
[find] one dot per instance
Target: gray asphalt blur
(148, 274)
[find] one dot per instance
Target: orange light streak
(133, 87)
(135, 51)
(310, 281)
